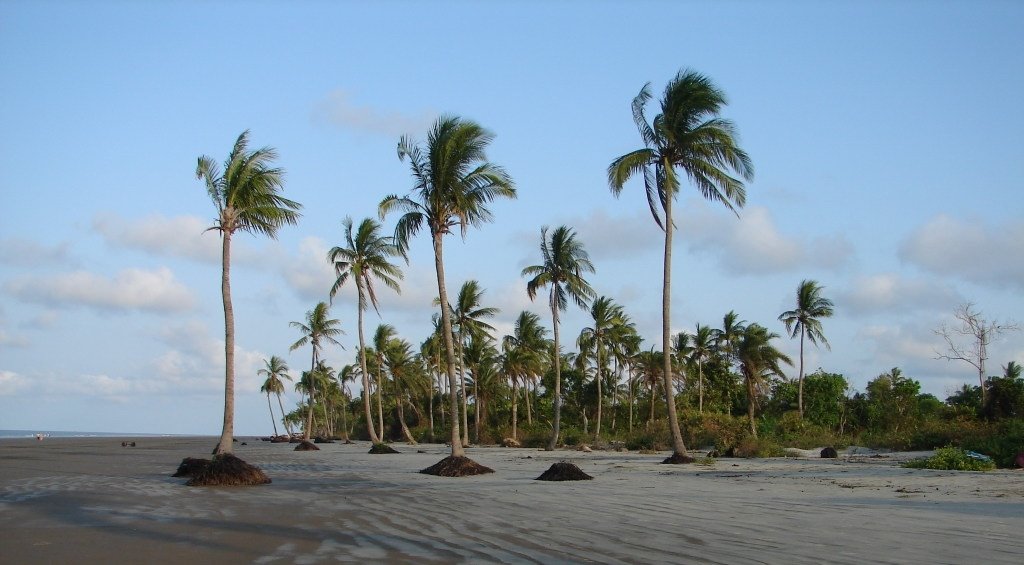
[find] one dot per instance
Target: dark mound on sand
(227, 470)
(452, 466)
(191, 466)
(564, 471)
(306, 446)
(829, 453)
(381, 449)
(323, 440)
(678, 459)
(280, 439)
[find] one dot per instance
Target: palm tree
(606, 315)
(758, 360)
(348, 373)
(401, 362)
(454, 184)
(363, 259)
(805, 320)
(318, 331)
(275, 369)
(702, 345)
(686, 135)
(382, 337)
(524, 353)
(468, 315)
(246, 195)
(565, 261)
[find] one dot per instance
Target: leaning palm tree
(606, 314)
(454, 182)
(318, 331)
(689, 136)
(758, 360)
(246, 195)
(805, 320)
(363, 259)
(275, 370)
(565, 261)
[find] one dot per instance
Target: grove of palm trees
(725, 387)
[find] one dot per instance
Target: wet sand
(89, 500)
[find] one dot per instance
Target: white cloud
(27, 253)
(12, 383)
(181, 236)
(130, 289)
(338, 109)
(309, 273)
(990, 255)
(890, 293)
(625, 237)
(42, 321)
(753, 244)
(12, 340)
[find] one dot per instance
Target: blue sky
(887, 140)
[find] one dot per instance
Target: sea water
(8, 434)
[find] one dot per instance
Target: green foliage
(722, 431)
(892, 401)
(1005, 398)
(792, 431)
(751, 446)
(1002, 442)
(657, 437)
(951, 459)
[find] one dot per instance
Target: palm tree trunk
(399, 402)
(465, 401)
(477, 407)
(600, 398)
(515, 408)
(750, 406)
(529, 403)
(430, 404)
(558, 375)
(380, 404)
(700, 386)
(632, 399)
(284, 419)
(800, 395)
(650, 419)
(312, 398)
(362, 367)
(446, 328)
(228, 431)
(344, 417)
(678, 448)
(269, 407)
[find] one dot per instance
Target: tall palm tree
(702, 345)
(758, 360)
(275, 369)
(689, 136)
(454, 182)
(319, 330)
(805, 320)
(606, 314)
(565, 261)
(363, 259)
(382, 337)
(468, 315)
(246, 195)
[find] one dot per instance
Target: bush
(536, 435)
(951, 459)
(656, 438)
(1002, 443)
(751, 446)
(721, 431)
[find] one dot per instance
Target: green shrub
(656, 438)
(721, 431)
(1002, 443)
(751, 446)
(951, 459)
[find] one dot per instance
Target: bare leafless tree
(972, 325)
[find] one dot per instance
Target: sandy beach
(90, 500)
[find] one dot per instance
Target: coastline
(90, 499)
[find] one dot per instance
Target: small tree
(981, 332)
